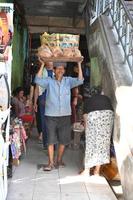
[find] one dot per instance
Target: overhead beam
(41, 1)
(52, 11)
(55, 21)
(42, 29)
(77, 22)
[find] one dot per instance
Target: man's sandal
(60, 164)
(48, 168)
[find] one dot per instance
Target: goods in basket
(59, 47)
(56, 51)
(62, 40)
(68, 52)
(44, 51)
(77, 53)
(49, 39)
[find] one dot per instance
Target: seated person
(18, 102)
(22, 109)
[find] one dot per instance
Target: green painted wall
(95, 79)
(6, 1)
(18, 62)
(19, 55)
(3, 1)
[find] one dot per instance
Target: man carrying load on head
(58, 109)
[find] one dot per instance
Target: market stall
(6, 32)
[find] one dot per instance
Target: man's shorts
(58, 129)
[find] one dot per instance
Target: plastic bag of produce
(57, 52)
(68, 52)
(44, 51)
(77, 52)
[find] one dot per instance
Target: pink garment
(24, 137)
(20, 105)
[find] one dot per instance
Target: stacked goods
(55, 47)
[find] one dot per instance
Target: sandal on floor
(80, 171)
(60, 164)
(48, 168)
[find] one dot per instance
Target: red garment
(27, 118)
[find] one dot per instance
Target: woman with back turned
(98, 115)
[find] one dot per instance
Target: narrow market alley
(30, 182)
(66, 77)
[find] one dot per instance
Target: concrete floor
(30, 182)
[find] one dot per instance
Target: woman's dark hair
(17, 90)
(95, 90)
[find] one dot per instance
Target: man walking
(39, 103)
(58, 109)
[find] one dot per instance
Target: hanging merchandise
(18, 138)
(4, 91)
(2, 195)
(3, 154)
(6, 33)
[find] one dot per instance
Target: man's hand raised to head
(41, 61)
(40, 72)
(80, 74)
(79, 62)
